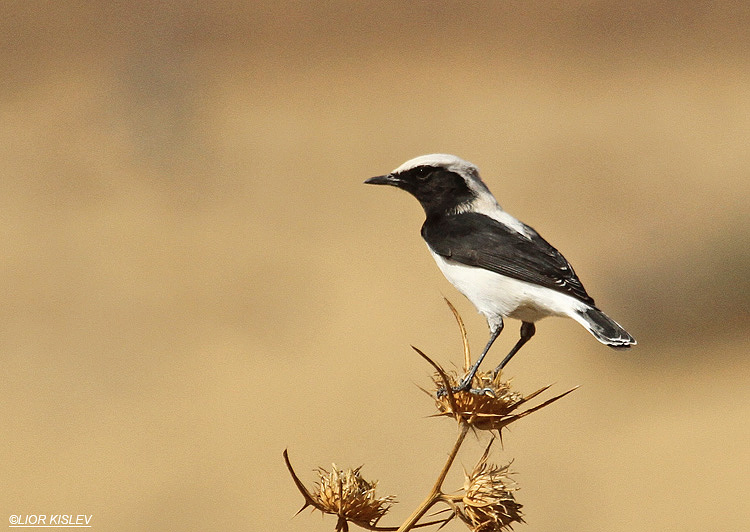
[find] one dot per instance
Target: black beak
(388, 179)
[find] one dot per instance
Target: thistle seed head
(346, 494)
(492, 409)
(492, 405)
(488, 502)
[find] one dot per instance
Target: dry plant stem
(436, 493)
(464, 336)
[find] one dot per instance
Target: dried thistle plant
(488, 501)
(346, 494)
(494, 407)
(485, 504)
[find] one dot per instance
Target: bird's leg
(465, 383)
(527, 331)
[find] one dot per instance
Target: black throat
(440, 193)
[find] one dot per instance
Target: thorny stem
(436, 493)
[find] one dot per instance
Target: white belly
(498, 296)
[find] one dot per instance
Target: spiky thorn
(309, 501)
(464, 336)
(446, 381)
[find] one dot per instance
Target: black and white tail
(604, 328)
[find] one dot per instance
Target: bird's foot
(465, 386)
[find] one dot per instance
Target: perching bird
(500, 264)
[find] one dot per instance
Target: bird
(503, 266)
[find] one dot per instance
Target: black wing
(478, 240)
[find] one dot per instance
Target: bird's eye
(423, 173)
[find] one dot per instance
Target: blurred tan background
(194, 277)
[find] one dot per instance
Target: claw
(461, 388)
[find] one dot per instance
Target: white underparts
(497, 296)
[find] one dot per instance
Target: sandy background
(194, 277)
